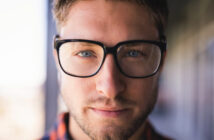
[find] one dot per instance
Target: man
(109, 54)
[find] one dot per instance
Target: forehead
(111, 19)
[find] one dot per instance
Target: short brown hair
(158, 8)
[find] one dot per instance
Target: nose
(109, 81)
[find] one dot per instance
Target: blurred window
(22, 68)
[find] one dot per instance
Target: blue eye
(133, 53)
(85, 54)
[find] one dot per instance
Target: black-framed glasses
(134, 58)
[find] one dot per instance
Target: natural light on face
(22, 68)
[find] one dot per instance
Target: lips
(110, 112)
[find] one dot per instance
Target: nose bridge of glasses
(111, 50)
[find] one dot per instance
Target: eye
(85, 54)
(133, 53)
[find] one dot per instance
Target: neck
(139, 133)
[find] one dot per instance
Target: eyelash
(88, 52)
(135, 51)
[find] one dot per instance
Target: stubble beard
(115, 132)
(112, 131)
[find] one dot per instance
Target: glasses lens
(139, 59)
(80, 58)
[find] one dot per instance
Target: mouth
(110, 112)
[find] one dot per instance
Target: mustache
(118, 101)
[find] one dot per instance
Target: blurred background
(29, 100)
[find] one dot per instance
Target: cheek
(75, 90)
(144, 91)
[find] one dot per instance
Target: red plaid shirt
(60, 131)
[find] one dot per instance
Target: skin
(109, 105)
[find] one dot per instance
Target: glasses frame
(110, 50)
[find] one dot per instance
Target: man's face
(108, 105)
